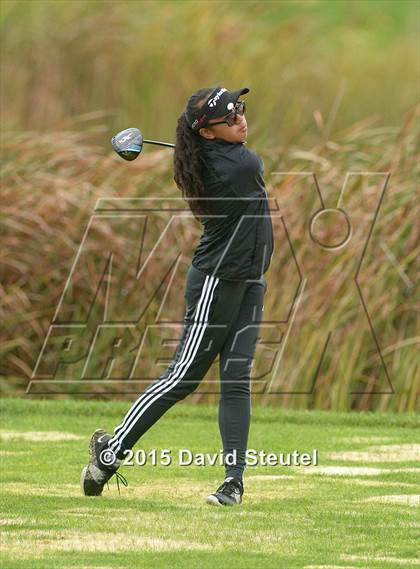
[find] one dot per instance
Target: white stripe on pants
(190, 348)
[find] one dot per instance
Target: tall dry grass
(50, 185)
(75, 72)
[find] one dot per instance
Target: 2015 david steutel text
(186, 457)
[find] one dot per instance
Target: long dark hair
(188, 157)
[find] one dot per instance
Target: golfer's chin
(243, 134)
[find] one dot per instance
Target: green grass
(161, 520)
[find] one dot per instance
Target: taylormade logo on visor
(213, 102)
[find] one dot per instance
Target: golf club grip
(159, 143)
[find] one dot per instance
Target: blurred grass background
(138, 61)
(334, 87)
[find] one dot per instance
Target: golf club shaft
(159, 143)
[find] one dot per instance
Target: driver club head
(128, 143)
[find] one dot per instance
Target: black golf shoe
(229, 493)
(102, 466)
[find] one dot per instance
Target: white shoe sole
(211, 499)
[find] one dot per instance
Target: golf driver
(129, 143)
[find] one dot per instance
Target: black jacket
(237, 244)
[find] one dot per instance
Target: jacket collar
(217, 143)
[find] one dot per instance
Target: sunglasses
(230, 120)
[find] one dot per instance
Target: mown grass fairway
(364, 512)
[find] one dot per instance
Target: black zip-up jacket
(237, 241)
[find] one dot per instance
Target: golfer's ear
(206, 133)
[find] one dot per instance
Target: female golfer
(223, 183)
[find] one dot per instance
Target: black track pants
(222, 318)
